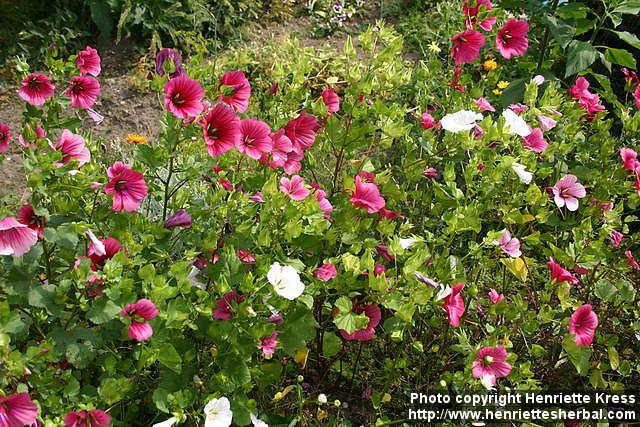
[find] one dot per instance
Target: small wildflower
(497, 92)
(490, 65)
(503, 84)
(138, 139)
(433, 47)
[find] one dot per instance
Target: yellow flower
(433, 47)
(490, 65)
(497, 92)
(138, 139)
(502, 84)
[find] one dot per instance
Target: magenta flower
(590, 102)
(237, 84)
(84, 91)
(427, 121)
(292, 164)
(518, 108)
(88, 61)
(179, 219)
(17, 410)
(323, 203)
(366, 334)
(426, 280)
(72, 146)
(631, 260)
(454, 305)
(268, 344)
(567, 191)
(302, 131)
(294, 187)
(246, 256)
(379, 269)
(546, 123)
(127, 186)
(26, 215)
(331, 99)
(5, 136)
(255, 138)
(466, 46)
(94, 418)
(281, 147)
(326, 272)
(225, 305)
(583, 324)
(483, 104)
(494, 296)
(430, 173)
(615, 238)
(16, 238)
(98, 256)
(629, 159)
(471, 13)
(636, 96)
(221, 130)
(172, 57)
(36, 89)
(535, 141)
(367, 196)
(257, 198)
(183, 97)
(560, 274)
(512, 38)
(491, 361)
(510, 245)
(139, 313)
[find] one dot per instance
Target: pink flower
(494, 296)
(268, 344)
(510, 245)
(225, 305)
(28, 137)
(27, 216)
(535, 141)
(629, 159)
(294, 187)
(466, 46)
(636, 97)
(16, 238)
(302, 131)
(238, 90)
(567, 191)
(631, 260)
(483, 104)
(72, 146)
(366, 334)
(257, 198)
(179, 219)
(331, 99)
(615, 238)
(36, 89)
(255, 139)
(139, 313)
(512, 38)
(323, 203)
(183, 97)
(326, 272)
(127, 186)
(292, 164)
(560, 274)
(5, 136)
(427, 121)
(367, 196)
(454, 305)
(491, 361)
(383, 251)
(94, 418)
(17, 410)
(538, 80)
(221, 130)
(487, 24)
(246, 256)
(518, 108)
(281, 147)
(88, 61)
(546, 123)
(590, 102)
(84, 91)
(99, 257)
(226, 184)
(583, 324)
(172, 57)
(430, 173)
(478, 132)
(471, 13)
(378, 270)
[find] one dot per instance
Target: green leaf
(103, 311)
(629, 38)
(605, 290)
(331, 344)
(580, 55)
(299, 326)
(346, 319)
(620, 57)
(169, 357)
(630, 7)
(516, 266)
(579, 356)
(561, 31)
(113, 390)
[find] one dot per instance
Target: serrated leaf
(580, 55)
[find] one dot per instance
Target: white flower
(193, 278)
(168, 423)
(514, 124)
(257, 422)
(218, 413)
(407, 243)
(538, 80)
(322, 398)
(521, 170)
(98, 246)
(285, 281)
(461, 121)
(444, 292)
(488, 381)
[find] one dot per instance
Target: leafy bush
(362, 252)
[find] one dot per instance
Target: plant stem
(545, 40)
(356, 365)
(167, 196)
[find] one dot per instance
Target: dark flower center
(34, 83)
(77, 88)
(176, 99)
(121, 186)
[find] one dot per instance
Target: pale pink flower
(494, 296)
(294, 187)
(72, 146)
(535, 141)
(16, 238)
(326, 272)
(583, 324)
(88, 61)
(491, 361)
(84, 91)
(538, 80)
(257, 198)
(615, 238)
(629, 159)
(518, 108)
(483, 104)
(36, 89)
(139, 313)
(323, 203)
(567, 191)
(269, 344)
(546, 123)
(509, 245)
